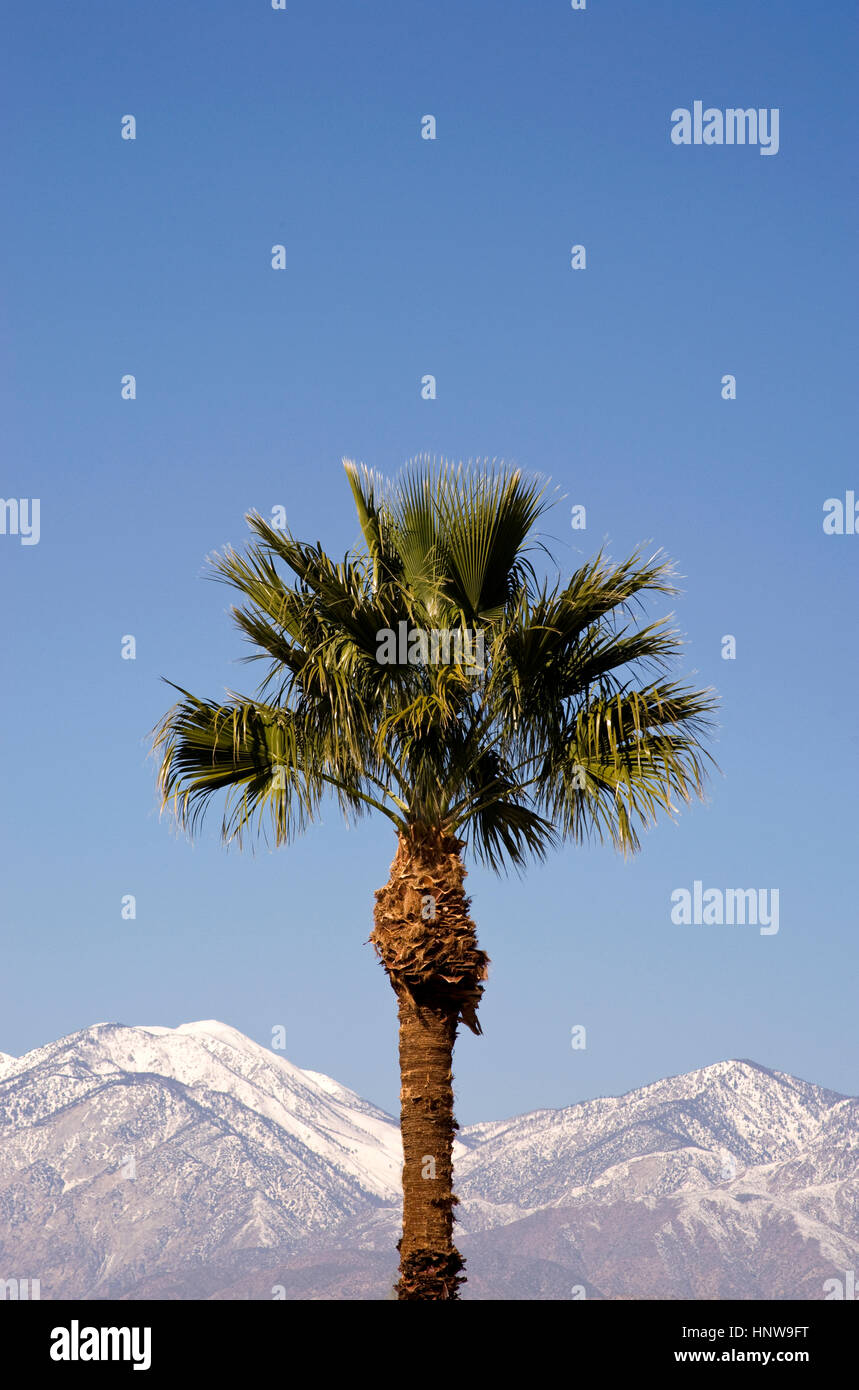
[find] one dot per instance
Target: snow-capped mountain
(732, 1181)
(126, 1148)
(697, 1130)
(192, 1162)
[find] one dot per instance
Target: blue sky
(405, 257)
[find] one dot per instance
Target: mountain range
(150, 1162)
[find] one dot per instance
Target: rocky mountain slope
(192, 1162)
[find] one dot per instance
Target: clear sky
(407, 257)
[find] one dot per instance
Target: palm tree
(563, 727)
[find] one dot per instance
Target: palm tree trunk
(428, 946)
(430, 1263)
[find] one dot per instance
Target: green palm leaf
(559, 737)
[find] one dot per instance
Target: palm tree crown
(555, 734)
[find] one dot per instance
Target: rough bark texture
(428, 946)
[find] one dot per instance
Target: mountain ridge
(135, 1158)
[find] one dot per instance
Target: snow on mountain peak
(212, 1028)
(226, 1075)
(236, 1152)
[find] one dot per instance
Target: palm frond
(573, 728)
(623, 760)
